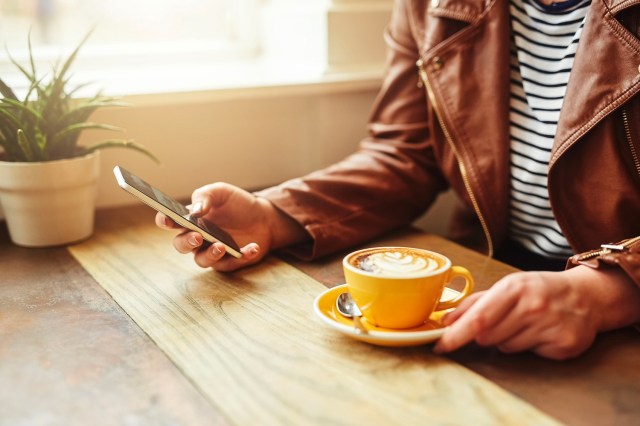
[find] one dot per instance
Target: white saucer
(325, 308)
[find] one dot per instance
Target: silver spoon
(347, 307)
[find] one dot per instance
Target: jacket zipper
(609, 248)
(424, 81)
(625, 116)
(627, 131)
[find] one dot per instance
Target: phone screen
(177, 211)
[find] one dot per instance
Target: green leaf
(72, 56)
(119, 143)
(74, 130)
(26, 146)
(34, 86)
(81, 86)
(84, 111)
(31, 61)
(29, 76)
(7, 117)
(59, 82)
(25, 109)
(41, 141)
(8, 125)
(46, 125)
(6, 91)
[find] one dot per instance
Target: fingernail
(193, 241)
(196, 208)
(215, 251)
(253, 250)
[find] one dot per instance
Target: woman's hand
(254, 223)
(554, 314)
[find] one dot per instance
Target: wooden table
(69, 354)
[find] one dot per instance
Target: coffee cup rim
(346, 264)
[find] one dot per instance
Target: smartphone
(175, 210)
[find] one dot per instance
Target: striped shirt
(544, 43)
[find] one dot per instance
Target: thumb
(209, 196)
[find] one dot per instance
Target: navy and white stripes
(544, 44)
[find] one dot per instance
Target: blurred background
(122, 22)
(251, 92)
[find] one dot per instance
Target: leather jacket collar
(473, 40)
(608, 57)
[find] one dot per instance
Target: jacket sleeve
(624, 254)
(391, 179)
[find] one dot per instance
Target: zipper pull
(622, 246)
(609, 248)
(422, 74)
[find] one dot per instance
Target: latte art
(394, 263)
(400, 287)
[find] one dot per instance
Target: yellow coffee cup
(400, 287)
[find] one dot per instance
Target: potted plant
(48, 182)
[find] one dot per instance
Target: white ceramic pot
(50, 203)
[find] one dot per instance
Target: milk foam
(394, 263)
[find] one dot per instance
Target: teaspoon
(347, 307)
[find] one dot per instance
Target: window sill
(220, 81)
(189, 80)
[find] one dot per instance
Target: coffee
(400, 287)
(396, 262)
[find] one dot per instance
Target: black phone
(178, 212)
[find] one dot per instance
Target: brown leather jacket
(441, 121)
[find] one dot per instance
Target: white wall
(251, 138)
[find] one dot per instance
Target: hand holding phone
(175, 210)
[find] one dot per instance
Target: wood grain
(69, 355)
(601, 387)
(250, 342)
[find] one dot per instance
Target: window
(127, 34)
(60, 22)
(186, 46)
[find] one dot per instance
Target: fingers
(485, 312)
(554, 342)
(209, 196)
(525, 339)
(450, 317)
(162, 221)
(214, 257)
(543, 312)
(199, 207)
(208, 257)
(562, 352)
(187, 242)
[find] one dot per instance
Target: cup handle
(457, 271)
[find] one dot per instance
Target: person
(529, 111)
